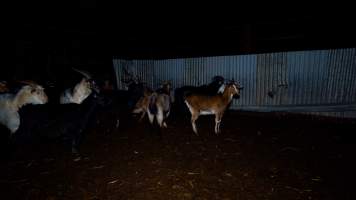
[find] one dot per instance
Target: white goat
(80, 91)
(199, 104)
(11, 103)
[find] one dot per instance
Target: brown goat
(212, 105)
(143, 103)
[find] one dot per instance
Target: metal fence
(321, 82)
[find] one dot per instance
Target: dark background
(52, 37)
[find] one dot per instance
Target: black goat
(135, 91)
(58, 121)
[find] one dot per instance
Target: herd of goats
(28, 110)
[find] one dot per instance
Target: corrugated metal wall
(319, 82)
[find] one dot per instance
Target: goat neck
(226, 94)
(30, 94)
(81, 91)
(21, 98)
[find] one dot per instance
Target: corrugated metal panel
(319, 80)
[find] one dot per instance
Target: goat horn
(27, 82)
(84, 73)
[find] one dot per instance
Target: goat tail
(152, 104)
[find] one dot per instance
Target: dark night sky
(56, 36)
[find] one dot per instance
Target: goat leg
(217, 123)
(194, 117)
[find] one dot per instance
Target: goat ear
(221, 89)
(232, 81)
(82, 72)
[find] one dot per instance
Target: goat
(165, 88)
(142, 105)
(80, 91)
(61, 121)
(209, 90)
(136, 90)
(73, 123)
(159, 108)
(144, 102)
(128, 100)
(199, 104)
(10, 104)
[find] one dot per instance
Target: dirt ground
(257, 156)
